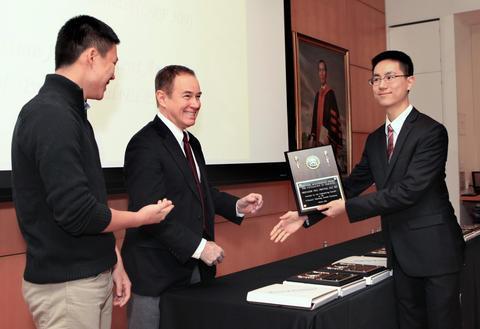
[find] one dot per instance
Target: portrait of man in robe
(322, 112)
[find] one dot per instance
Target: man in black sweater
(59, 189)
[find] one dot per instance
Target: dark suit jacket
(158, 256)
(418, 221)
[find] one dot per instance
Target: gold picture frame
(322, 98)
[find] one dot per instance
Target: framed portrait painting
(322, 98)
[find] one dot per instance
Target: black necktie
(193, 168)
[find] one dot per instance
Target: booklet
(297, 296)
(348, 277)
(324, 277)
(365, 260)
(353, 268)
(343, 291)
(373, 269)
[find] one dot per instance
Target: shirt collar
(177, 132)
(399, 121)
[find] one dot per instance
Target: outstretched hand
(154, 213)
(289, 223)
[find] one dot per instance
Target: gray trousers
(143, 312)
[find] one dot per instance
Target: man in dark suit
(164, 159)
(405, 159)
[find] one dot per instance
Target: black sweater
(59, 188)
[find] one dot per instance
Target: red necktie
(193, 168)
(389, 142)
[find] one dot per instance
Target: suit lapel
(380, 144)
(209, 211)
(402, 137)
(177, 154)
(197, 152)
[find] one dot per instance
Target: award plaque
(315, 177)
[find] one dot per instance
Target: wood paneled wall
(356, 25)
(359, 27)
(245, 246)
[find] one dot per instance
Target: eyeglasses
(375, 81)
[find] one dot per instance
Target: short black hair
(165, 77)
(405, 61)
(80, 33)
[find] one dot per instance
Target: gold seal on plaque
(312, 162)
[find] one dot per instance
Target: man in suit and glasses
(405, 158)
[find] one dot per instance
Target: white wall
(405, 11)
(241, 91)
(475, 55)
(427, 64)
(475, 37)
(432, 46)
(449, 97)
(465, 100)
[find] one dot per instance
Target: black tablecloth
(470, 285)
(222, 302)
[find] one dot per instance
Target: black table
(470, 285)
(222, 302)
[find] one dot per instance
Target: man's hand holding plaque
(317, 187)
(333, 208)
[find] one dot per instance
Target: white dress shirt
(397, 124)
(178, 134)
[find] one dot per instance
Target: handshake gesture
(291, 221)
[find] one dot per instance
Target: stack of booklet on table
(306, 297)
(312, 289)
(345, 282)
(308, 290)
